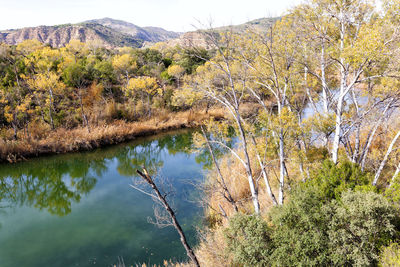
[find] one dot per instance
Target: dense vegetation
(43, 89)
(313, 180)
(313, 101)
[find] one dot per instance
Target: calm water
(79, 210)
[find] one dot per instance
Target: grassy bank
(79, 139)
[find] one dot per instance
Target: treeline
(43, 88)
(323, 143)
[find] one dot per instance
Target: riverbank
(79, 139)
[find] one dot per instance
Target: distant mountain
(259, 25)
(196, 38)
(107, 32)
(117, 33)
(147, 34)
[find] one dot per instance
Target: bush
(362, 222)
(332, 180)
(301, 231)
(248, 239)
(390, 256)
(334, 220)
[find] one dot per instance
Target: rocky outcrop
(147, 34)
(107, 32)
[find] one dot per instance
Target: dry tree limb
(162, 199)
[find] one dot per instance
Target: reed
(64, 140)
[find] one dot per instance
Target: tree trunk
(50, 109)
(264, 174)
(342, 94)
(84, 118)
(171, 213)
(253, 190)
(227, 193)
(15, 128)
(371, 136)
(396, 173)
(281, 168)
(383, 163)
(325, 102)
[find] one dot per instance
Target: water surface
(79, 210)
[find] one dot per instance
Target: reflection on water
(78, 210)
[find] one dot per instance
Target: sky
(174, 15)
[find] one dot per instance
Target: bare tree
(161, 198)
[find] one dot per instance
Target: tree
(76, 76)
(177, 72)
(223, 79)
(46, 84)
(124, 65)
(248, 239)
(162, 199)
(144, 86)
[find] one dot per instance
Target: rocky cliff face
(117, 33)
(107, 32)
(147, 34)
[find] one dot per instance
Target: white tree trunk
(338, 128)
(281, 168)
(383, 163)
(325, 101)
(371, 136)
(253, 190)
(395, 175)
(264, 173)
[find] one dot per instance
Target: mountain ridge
(113, 33)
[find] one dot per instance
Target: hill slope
(196, 38)
(147, 34)
(107, 32)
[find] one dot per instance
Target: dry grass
(212, 249)
(78, 139)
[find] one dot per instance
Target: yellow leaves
(198, 140)
(321, 123)
(175, 71)
(46, 81)
(369, 45)
(145, 84)
(29, 46)
(124, 63)
(287, 119)
(186, 96)
(44, 59)
(75, 46)
(387, 86)
(8, 113)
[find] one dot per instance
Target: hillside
(117, 33)
(196, 38)
(107, 32)
(147, 34)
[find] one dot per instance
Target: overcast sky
(175, 15)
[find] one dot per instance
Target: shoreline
(63, 140)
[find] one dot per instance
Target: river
(79, 210)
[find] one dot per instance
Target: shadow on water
(78, 210)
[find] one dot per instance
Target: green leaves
(248, 239)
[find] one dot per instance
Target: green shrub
(334, 220)
(393, 192)
(345, 232)
(248, 239)
(390, 256)
(362, 222)
(301, 230)
(331, 180)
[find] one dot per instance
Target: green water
(79, 210)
